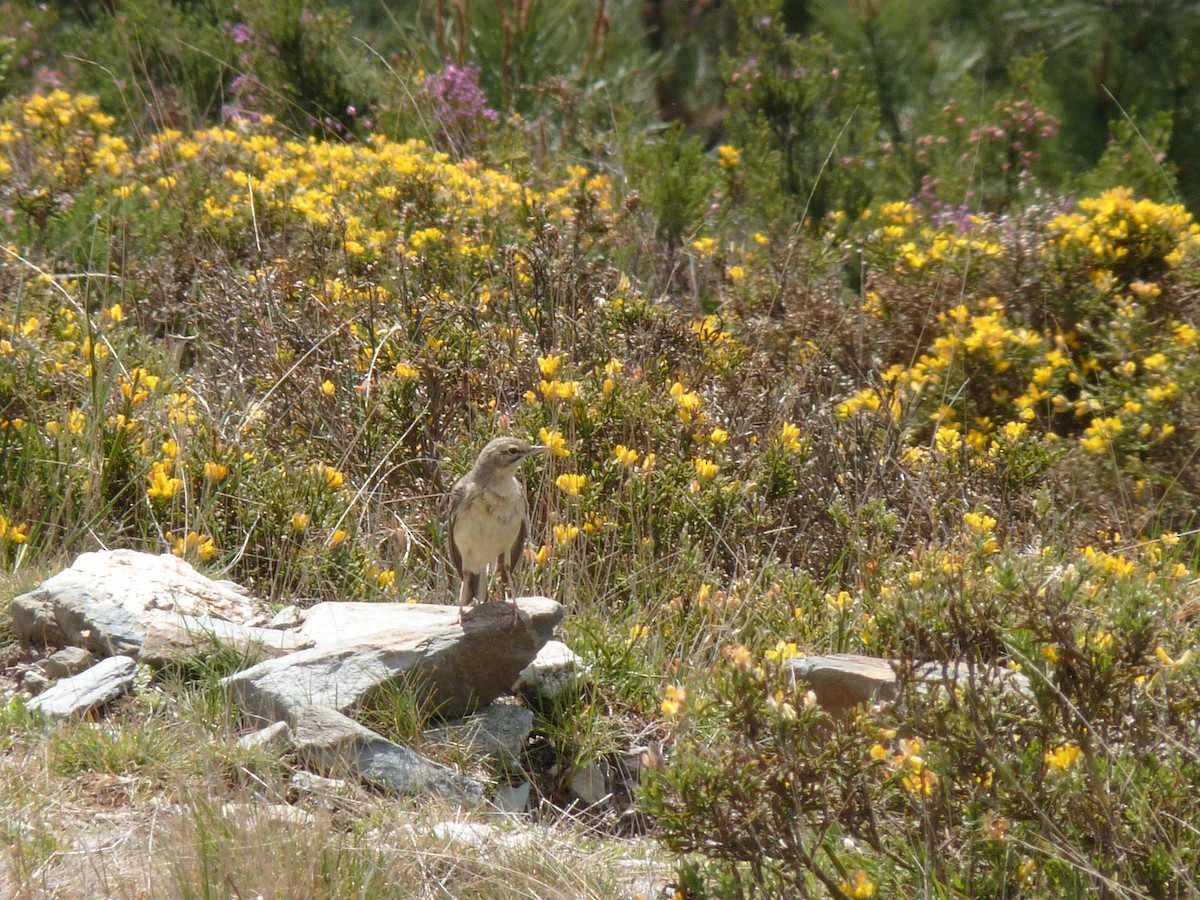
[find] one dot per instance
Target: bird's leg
(505, 577)
(506, 580)
(464, 591)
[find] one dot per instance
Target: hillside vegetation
(794, 408)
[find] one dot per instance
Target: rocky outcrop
(318, 666)
(361, 648)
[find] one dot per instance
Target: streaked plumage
(488, 517)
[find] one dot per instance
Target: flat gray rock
(107, 599)
(172, 636)
(102, 683)
(499, 729)
(362, 647)
(333, 743)
(843, 681)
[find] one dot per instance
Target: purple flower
(459, 104)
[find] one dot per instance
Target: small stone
(68, 661)
(555, 670)
(275, 738)
(311, 785)
(102, 683)
(34, 682)
(512, 799)
(499, 730)
(271, 812)
(473, 834)
(330, 741)
(589, 784)
(290, 616)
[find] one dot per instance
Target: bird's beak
(538, 450)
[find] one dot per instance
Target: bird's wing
(514, 555)
(456, 497)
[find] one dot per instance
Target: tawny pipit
(488, 518)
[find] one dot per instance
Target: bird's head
(504, 454)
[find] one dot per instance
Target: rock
(270, 812)
(480, 835)
(34, 681)
(556, 669)
(68, 661)
(589, 784)
(101, 684)
(172, 637)
(290, 616)
(474, 834)
(330, 741)
(843, 681)
(362, 647)
(106, 600)
(318, 787)
(275, 738)
(512, 799)
(499, 729)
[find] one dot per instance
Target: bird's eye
(514, 451)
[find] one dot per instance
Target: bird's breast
(488, 524)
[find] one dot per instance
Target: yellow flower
(386, 578)
(114, 313)
(300, 521)
(921, 782)
(336, 539)
(569, 484)
(705, 247)
(729, 157)
(11, 532)
(705, 468)
(564, 534)
(736, 273)
(789, 436)
(675, 701)
(783, 651)
(859, 887)
(688, 403)
(1062, 757)
(328, 475)
(555, 441)
(625, 456)
(162, 485)
(548, 365)
(215, 472)
(328, 388)
(718, 436)
(636, 633)
(979, 522)
(561, 390)
(406, 372)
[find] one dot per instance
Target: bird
(489, 519)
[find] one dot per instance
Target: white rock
(101, 684)
(512, 799)
(556, 669)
